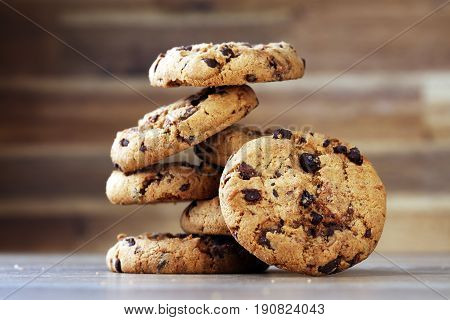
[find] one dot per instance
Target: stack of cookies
(297, 200)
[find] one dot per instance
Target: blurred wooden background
(60, 112)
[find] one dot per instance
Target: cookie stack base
(181, 254)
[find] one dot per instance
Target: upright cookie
(303, 202)
(181, 253)
(204, 217)
(218, 148)
(163, 182)
(187, 122)
(231, 63)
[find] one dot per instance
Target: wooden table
(413, 276)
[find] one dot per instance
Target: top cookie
(303, 202)
(230, 63)
(180, 125)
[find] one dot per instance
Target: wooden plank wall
(60, 112)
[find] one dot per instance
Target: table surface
(387, 276)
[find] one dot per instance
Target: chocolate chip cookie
(218, 148)
(204, 217)
(303, 202)
(180, 125)
(231, 63)
(180, 253)
(163, 182)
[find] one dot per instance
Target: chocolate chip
(275, 193)
(186, 48)
(251, 195)
(153, 118)
(212, 63)
(312, 232)
(326, 143)
(174, 83)
(246, 171)
(295, 224)
(282, 134)
(250, 78)
(277, 174)
(350, 210)
(137, 250)
(187, 140)
(168, 122)
(185, 187)
(160, 56)
(116, 165)
(331, 227)
(307, 199)
(330, 267)
(118, 266)
(340, 149)
(130, 241)
(124, 142)
(310, 163)
(278, 76)
(188, 112)
(316, 218)
(202, 95)
(355, 260)
(162, 263)
(158, 177)
(368, 233)
(329, 232)
(227, 52)
(272, 63)
(355, 156)
(302, 140)
(262, 238)
(142, 148)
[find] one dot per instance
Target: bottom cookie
(181, 254)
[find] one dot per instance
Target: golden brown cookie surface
(180, 253)
(163, 182)
(231, 63)
(218, 148)
(204, 217)
(303, 202)
(180, 125)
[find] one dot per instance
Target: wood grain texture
(86, 277)
(60, 112)
(363, 106)
(112, 37)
